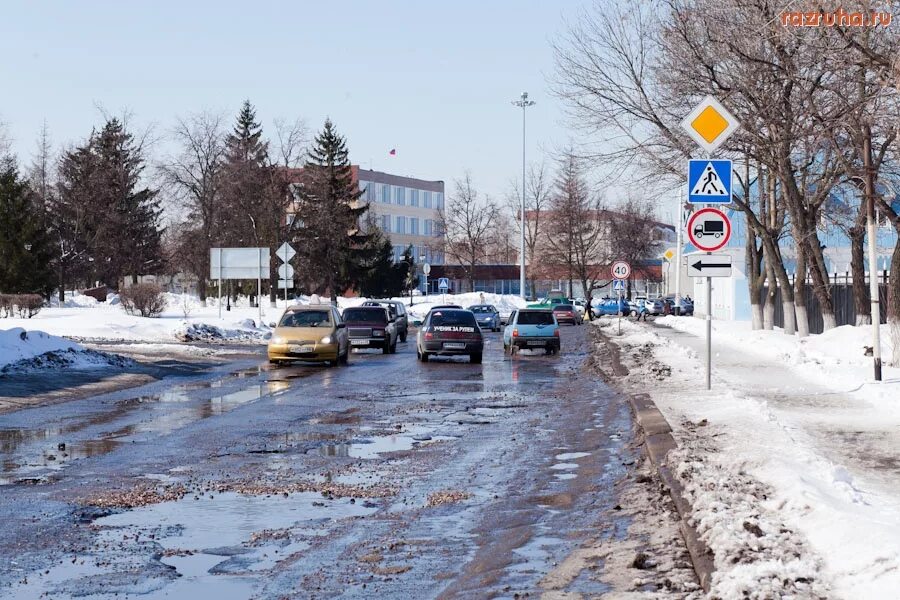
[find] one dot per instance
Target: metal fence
(842, 297)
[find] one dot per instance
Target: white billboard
(238, 263)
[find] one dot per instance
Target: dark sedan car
(371, 327)
(450, 331)
(398, 312)
(567, 313)
(487, 315)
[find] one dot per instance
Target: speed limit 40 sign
(621, 270)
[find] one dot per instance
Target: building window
(386, 223)
(401, 225)
(413, 197)
(398, 253)
(423, 253)
(385, 193)
(439, 200)
(426, 199)
(413, 226)
(428, 227)
(290, 219)
(400, 195)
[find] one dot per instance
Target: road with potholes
(386, 478)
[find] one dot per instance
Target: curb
(658, 441)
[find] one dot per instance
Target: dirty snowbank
(186, 320)
(22, 351)
(787, 460)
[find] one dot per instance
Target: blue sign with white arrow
(709, 181)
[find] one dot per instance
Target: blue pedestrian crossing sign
(443, 284)
(618, 285)
(709, 181)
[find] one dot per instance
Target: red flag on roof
(393, 152)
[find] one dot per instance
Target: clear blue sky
(432, 79)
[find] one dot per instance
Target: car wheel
(548, 351)
(274, 362)
(345, 359)
(403, 337)
(394, 347)
(475, 358)
(424, 356)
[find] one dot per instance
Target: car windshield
(373, 314)
(483, 309)
(452, 317)
(562, 307)
(305, 318)
(538, 317)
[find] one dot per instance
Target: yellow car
(315, 332)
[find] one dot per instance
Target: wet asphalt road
(387, 478)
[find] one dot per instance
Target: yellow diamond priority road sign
(710, 124)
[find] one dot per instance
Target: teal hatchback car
(532, 329)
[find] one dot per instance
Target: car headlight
(378, 332)
(326, 339)
(279, 340)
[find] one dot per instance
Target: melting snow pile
(246, 331)
(22, 351)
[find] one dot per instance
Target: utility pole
(873, 254)
(679, 245)
(523, 103)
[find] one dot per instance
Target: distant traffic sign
(620, 270)
(443, 284)
(710, 124)
(710, 265)
(669, 254)
(709, 181)
(285, 252)
(286, 271)
(426, 268)
(619, 285)
(709, 229)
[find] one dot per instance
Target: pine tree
(327, 233)
(132, 241)
(25, 248)
(252, 196)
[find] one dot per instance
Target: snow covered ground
(791, 461)
(185, 320)
(24, 350)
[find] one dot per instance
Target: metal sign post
(621, 271)
(709, 230)
(426, 268)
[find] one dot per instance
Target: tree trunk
(893, 303)
(201, 291)
(771, 292)
(861, 297)
(755, 279)
(62, 284)
(800, 292)
(821, 280)
(775, 262)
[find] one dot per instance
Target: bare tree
(538, 193)
(291, 142)
(632, 236)
(576, 227)
(467, 223)
(195, 172)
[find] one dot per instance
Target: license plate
(302, 349)
(359, 342)
(454, 346)
(537, 343)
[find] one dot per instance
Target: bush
(147, 299)
(26, 305)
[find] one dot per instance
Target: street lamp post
(523, 103)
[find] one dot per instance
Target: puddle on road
(219, 547)
(564, 466)
(565, 476)
(37, 453)
(408, 438)
(572, 455)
